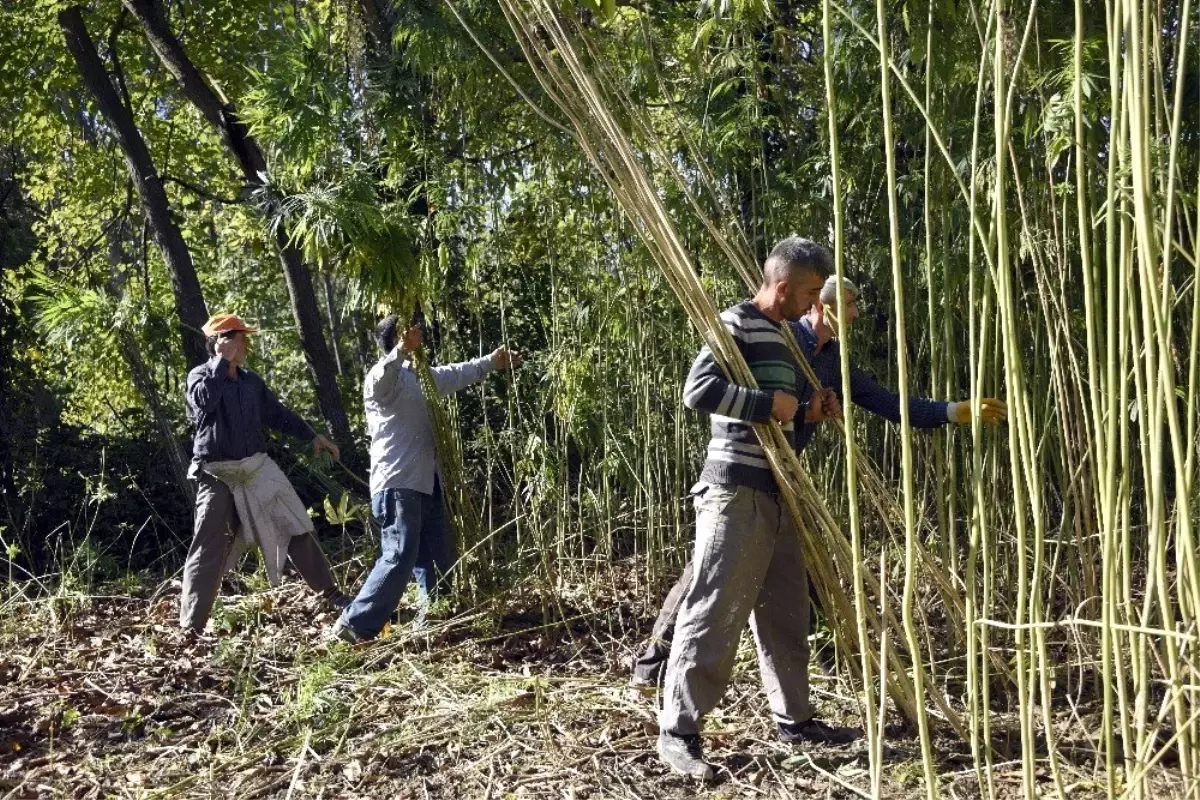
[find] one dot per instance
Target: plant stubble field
(101, 696)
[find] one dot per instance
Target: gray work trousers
(212, 541)
(747, 565)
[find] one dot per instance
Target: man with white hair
(817, 333)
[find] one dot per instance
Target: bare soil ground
(102, 696)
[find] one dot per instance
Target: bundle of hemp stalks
(466, 519)
(567, 81)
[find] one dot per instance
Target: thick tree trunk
(220, 113)
(189, 298)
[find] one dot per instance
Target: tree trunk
(221, 114)
(380, 20)
(189, 298)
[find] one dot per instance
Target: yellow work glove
(991, 411)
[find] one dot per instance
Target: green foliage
(318, 700)
(69, 315)
(410, 171)
(346, 222)
(346, 511)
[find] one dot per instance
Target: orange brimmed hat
(224, 323)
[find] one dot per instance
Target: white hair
(829, 291)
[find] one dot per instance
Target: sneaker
(642, 682)
(816, 732)
(342, 631)
(684, 755)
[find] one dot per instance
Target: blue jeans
(415, 542)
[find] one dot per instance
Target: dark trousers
(212, 541)
(649, 665)
(415, 542)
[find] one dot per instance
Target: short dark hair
(385, 333)
(796, 253)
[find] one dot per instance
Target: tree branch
(498, 156)
(116, 59)
(197, 190)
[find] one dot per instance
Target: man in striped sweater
(748, 565)
(816, 333)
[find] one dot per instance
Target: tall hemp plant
(1133, 359)
(569, 82)
(1079, 567)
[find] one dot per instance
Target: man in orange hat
(242, 497)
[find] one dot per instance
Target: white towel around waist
(269, 511)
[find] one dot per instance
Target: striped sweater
(734, 454)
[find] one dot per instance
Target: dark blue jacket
(865, 391)
(231, 414)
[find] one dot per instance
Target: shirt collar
(806, 334)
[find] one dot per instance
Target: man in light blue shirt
(406, 492)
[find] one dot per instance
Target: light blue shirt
(402, 448)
